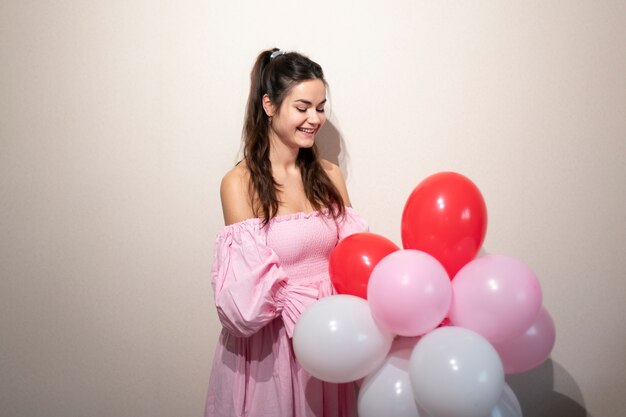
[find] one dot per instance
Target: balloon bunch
(431, 328)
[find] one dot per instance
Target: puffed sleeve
(351, 223)
(246, 278)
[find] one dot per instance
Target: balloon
(445, 216)
(337, 340)
(455, 372)
(496, 296)
(387, 391)
(354, 258)
(409, 293)
(531, 348)
(445, 322)
(507, 405)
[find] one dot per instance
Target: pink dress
(263, 278)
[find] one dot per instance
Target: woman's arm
(236, 203)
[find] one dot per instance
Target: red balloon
(446, 217)
(354, 258)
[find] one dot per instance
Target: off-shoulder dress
(263, 278)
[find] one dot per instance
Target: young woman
(285, 209)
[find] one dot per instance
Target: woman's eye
(301, 110)
(320, 110)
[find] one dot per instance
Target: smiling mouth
(309, 131)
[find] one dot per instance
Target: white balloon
(507, 406)
(455, 372)
(387, 391)
(337, 340)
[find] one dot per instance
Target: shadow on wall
(535, 391)
(332, 147)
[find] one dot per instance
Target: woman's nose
(314, 117)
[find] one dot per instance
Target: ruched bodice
(303, 250)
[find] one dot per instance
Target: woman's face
(301, 115)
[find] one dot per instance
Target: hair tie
(277, 53)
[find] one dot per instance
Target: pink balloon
(531, 348)
(409, 292)
(498, 297)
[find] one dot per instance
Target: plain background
(119, 118)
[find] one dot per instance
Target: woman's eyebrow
(301, 100)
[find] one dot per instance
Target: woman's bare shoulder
(234, 192)
(336, 176)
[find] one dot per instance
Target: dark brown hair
(276, 77)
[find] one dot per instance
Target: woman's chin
(305, 144)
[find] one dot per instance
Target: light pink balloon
(409, 292)
(531, 348)
(498, 297)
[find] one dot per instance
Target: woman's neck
(282, 157)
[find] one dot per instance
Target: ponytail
(275, 73)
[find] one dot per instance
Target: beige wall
(118, 118)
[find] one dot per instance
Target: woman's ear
(268, 106)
